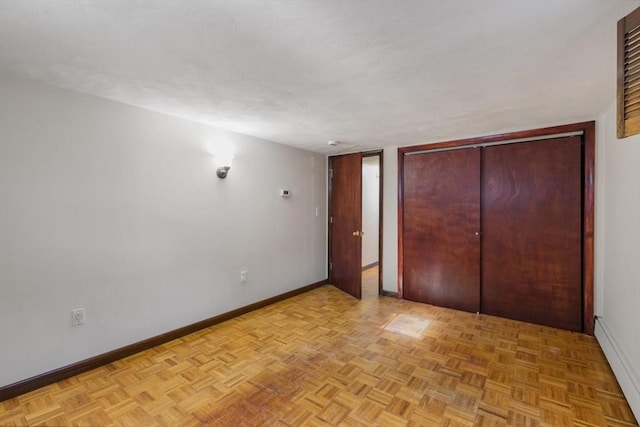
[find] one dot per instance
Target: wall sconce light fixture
(223, 171)
(223, 155)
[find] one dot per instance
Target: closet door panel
(531, 243)
(441, 216)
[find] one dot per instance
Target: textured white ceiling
(366, 73)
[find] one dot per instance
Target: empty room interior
(392, 213)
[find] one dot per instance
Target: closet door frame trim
(588, 138)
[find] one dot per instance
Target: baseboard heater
(624, 372)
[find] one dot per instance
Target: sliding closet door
(531, 244)
(441, 219)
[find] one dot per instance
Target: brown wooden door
(531, 243)
(346, 223)
(441, 219)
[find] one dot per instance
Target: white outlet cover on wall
(77, 316)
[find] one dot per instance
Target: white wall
(618, 245)
(118, 210)
(370, 208)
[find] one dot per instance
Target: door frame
(371, 153)
(588, 139)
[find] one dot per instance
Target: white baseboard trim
(628, 380)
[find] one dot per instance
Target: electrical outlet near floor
(243, 276)
(77, 316)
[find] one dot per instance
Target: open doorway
(371, 224)
(346, 232)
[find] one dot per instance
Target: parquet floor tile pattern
(325, 359)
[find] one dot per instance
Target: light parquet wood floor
(324, 358)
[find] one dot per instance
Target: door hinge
(331, 220)
(330, 173)
(330, 266)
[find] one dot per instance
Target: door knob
(356, 233)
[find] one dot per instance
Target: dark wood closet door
(441, 219)
(531, 243)
(346, 225)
